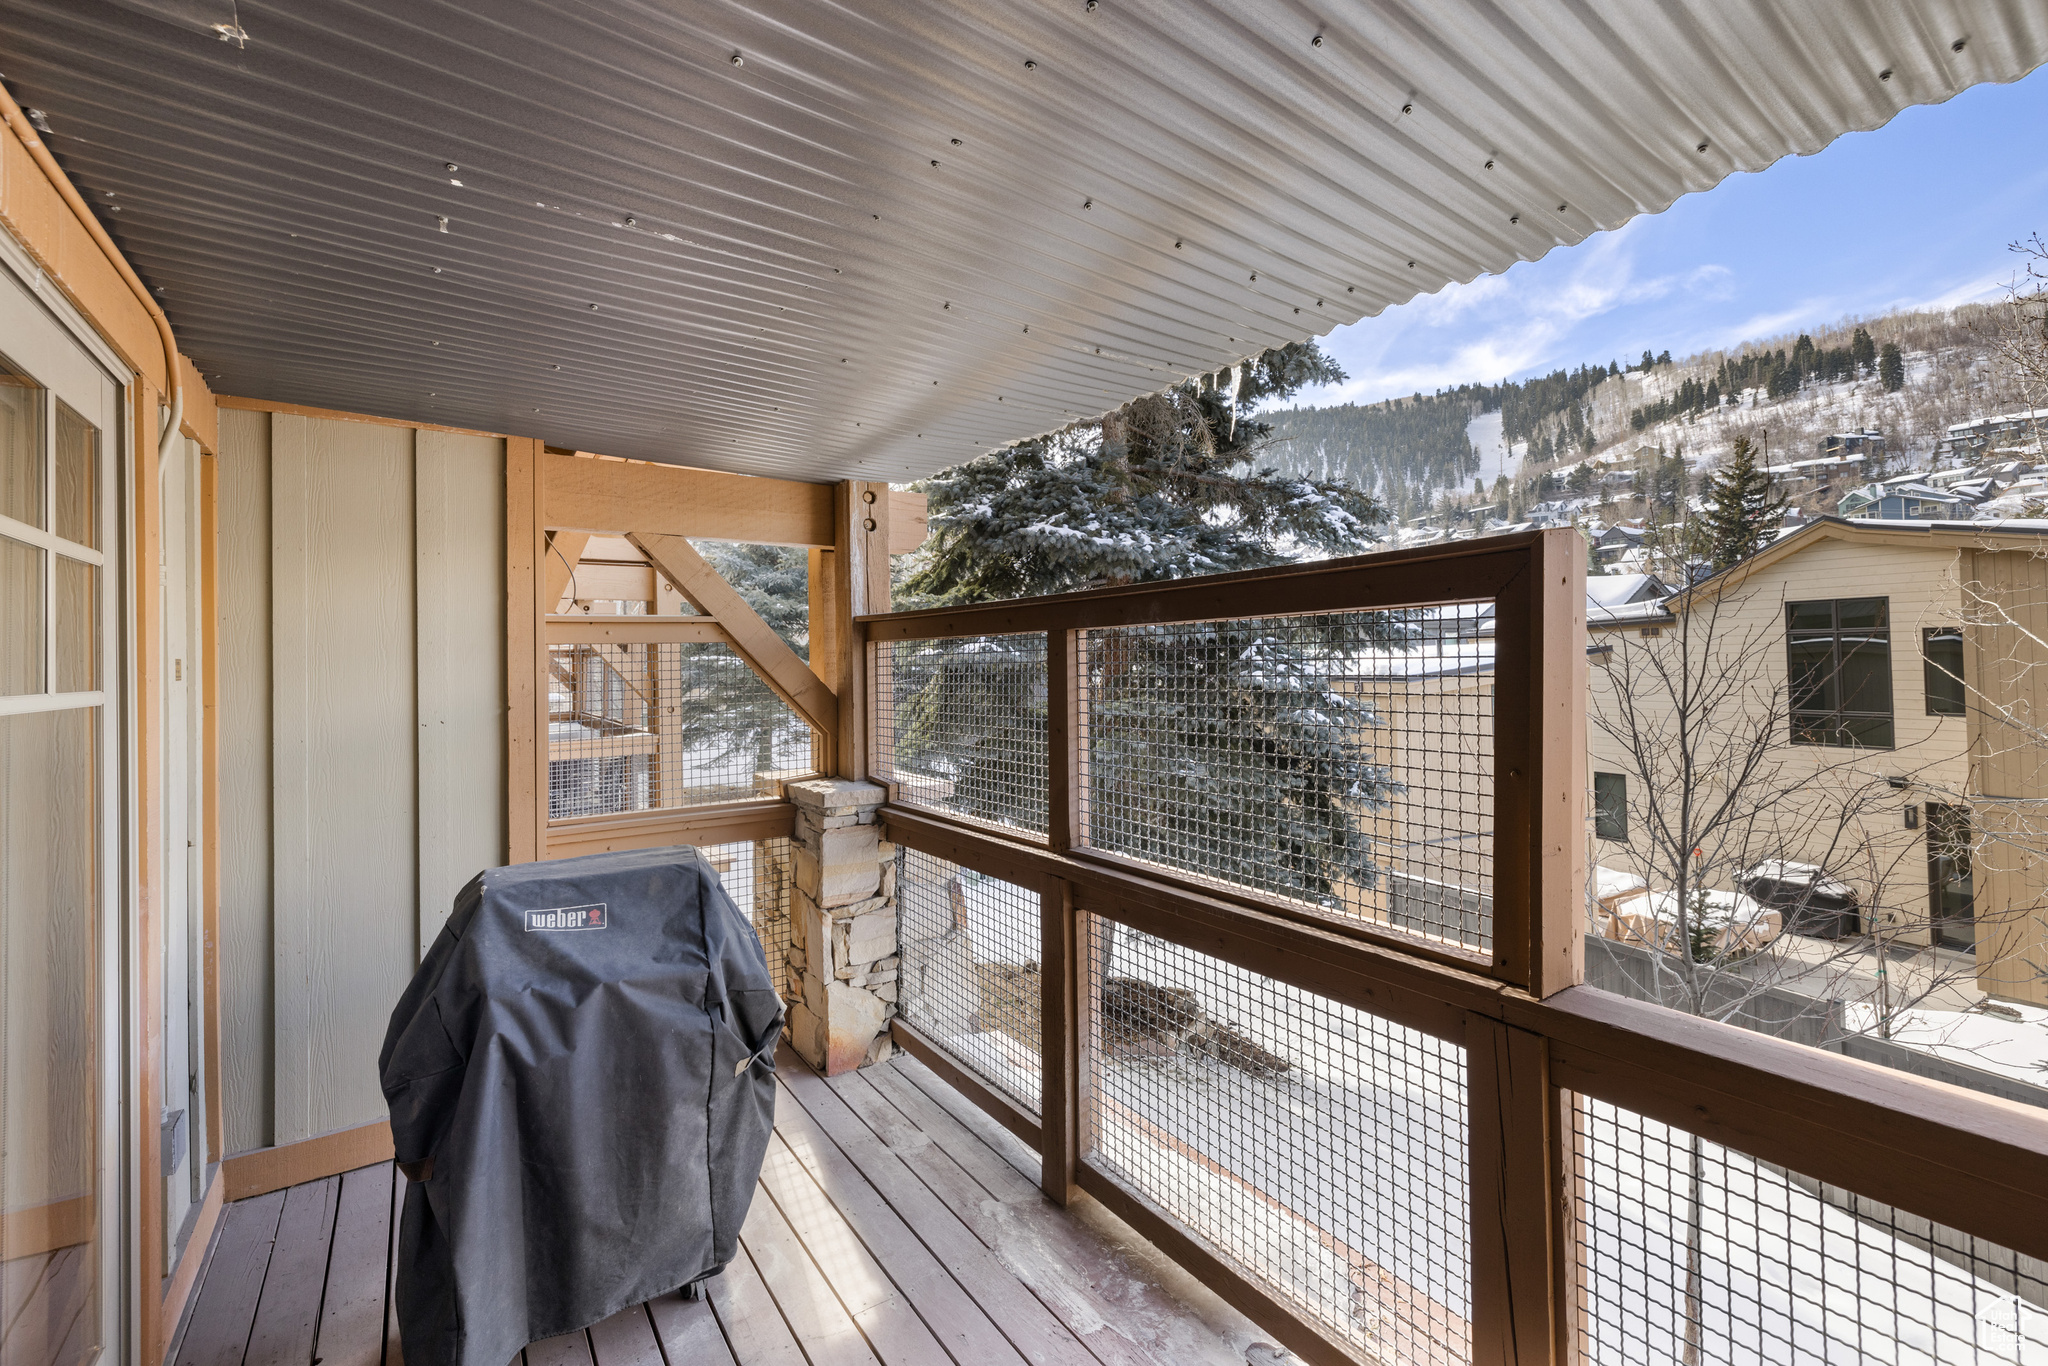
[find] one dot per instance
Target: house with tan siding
(1904, 660)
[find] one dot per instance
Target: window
(1610, 806)
(1941, 660)
(1838, 667)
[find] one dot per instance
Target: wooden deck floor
(894, 1223)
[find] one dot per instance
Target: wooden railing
(1538, 1048)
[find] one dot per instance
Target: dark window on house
(1838, 666)
(1610, 806)
(1941, 655)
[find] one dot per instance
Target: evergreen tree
(1863, 351)
(1743, 508)
(1891, 368)
(1233, 737)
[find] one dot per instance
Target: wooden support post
(526, 678)
(1064, 739)
(826, 627)
(1058, 1109)
(860, 567)
(1518, 1158)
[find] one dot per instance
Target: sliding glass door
(59, 865)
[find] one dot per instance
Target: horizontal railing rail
(1381, 1147)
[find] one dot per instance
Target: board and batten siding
(362, 750)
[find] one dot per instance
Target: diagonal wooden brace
(754, 639)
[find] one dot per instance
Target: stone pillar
(842, 908)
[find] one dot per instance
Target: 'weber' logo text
(567, 918)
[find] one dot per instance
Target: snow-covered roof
(1613, 590)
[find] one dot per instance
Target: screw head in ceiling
(1514, 218)
(1561, 208)
(632, 222)
(1316, 41)
(1407, 108)
(738, 60)
(935, 163)
(1957, 45)
(1701, 148)
(1885, 74)
(1087, 203)
(1489, 165)
(956, 142)
(450, 167)
(1030, 65)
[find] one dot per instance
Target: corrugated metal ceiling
(823, 240)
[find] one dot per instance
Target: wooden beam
(1467, 571)
(998, 1106)
(827, 624)
(595, 581)
(753, 639)
(669, 500)
(576, 629)
(909, 521)
(565, 552)
(720, 823)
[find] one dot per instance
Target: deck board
(889, 1230)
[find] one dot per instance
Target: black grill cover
(582, 1072)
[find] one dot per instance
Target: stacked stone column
(843, 957)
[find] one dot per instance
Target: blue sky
(1917, 213)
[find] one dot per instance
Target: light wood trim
(45, 1228)
(1060, 1054)
(209, 799)
(671, 500)
(753, 639)
(264, 405)
(1296, 1333)
(1557, 809)
(262, 1170)
(720, 823)
(999, 1107)
(148, 930)
(526, 693)
(909, 521)
(601, 747)
(1467, 571)
(185, 1276)
(828, 624)
(581, 630)
(1515, 1200)
(564, 552)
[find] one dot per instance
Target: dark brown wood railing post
(1517, 1157)
(1063, 1012)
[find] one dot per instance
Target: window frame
(1839, 727)
(1605, 819)
(1933, 674)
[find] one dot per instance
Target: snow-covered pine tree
(1742, 509)
(1232, 737)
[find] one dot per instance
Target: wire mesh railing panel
(1689, 1252)
(1319, 1149)
(959, 726)
(1343, 760)
(969, 976)
(643, 727)
(758, 875)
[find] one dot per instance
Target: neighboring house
(1967, 442)
(1871, 622)
(1867, 444)
(1904, 502)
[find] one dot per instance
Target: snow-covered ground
(2008, 1038)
